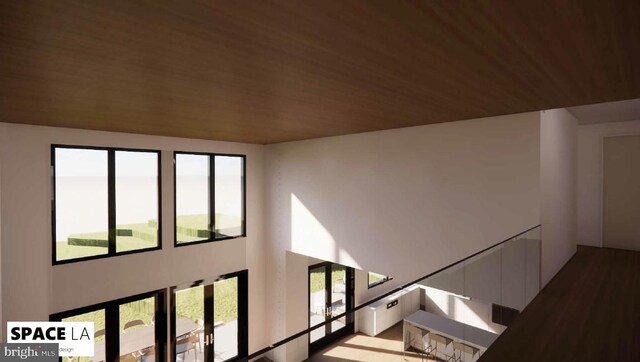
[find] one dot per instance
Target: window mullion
(111, 196)
(112, 331)
(244, 196)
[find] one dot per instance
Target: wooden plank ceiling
(274, 71)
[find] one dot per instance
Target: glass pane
(375, 278)
(338, 295)
(317, 301)
(225, 302)
(97, 317)
(136, 200)
(532, 268)
(137, 330)
(228, 196)
(81, 203)
(192, 198)
(190, 324)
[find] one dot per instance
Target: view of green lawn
(317, 279)
(137, 236)
(190, 302)
(373, 277)
(196, 227)
(142, 236)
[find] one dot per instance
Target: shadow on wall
(473, 312)
(409, 201)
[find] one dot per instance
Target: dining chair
(148, 355)
(442, 346)
(129, 357)
(418, 340)
(463, 352)
(198, 331)
(426, 344)
(131, 324)
(185, 345)
(98, 333)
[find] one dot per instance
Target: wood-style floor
(590, 311)
(385, 347)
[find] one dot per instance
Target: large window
(210, 197)
(106, 202)
(129, 329)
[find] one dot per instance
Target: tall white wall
(362, 200)
(558, 189)
(590, 141)
(2, 325)
(32, 288)
(401, 202)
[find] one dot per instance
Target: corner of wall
(2, 323)
(558, 190)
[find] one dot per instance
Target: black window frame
(212, 197)
(379, 282)
(112, 322)
(111, 208)
(243, 312)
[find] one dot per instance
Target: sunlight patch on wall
(309, 237)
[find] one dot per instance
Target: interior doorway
(621, 193)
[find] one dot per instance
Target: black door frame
(243, 314)
(331, 337)
(112, 322)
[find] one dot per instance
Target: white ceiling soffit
(622, 111)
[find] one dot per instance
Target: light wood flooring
(386, 347)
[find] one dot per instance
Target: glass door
(131, 329)
(338, 296)
(210, 320)
(317, 302)
(330, 294)
(191, 322)
(225, 322)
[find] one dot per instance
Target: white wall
(32, 288)
(590, 138)
(401, 202)
(362, 200)
(1, 314)
(558, 190)
(363, 294)
(473, 312)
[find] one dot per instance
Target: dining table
(142, 338)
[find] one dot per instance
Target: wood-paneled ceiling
(272, 71)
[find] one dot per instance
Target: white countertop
(452, 329)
